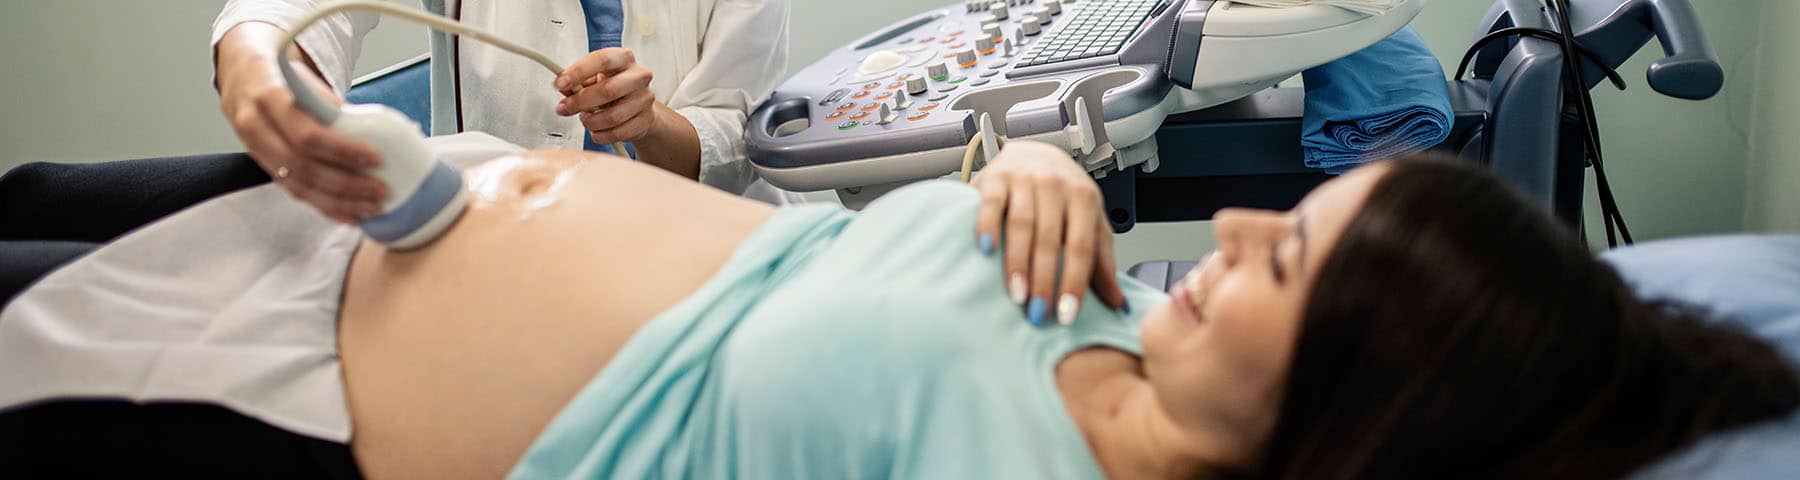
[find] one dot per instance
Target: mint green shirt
(839, 345)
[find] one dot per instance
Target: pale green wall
(1773, 199)
(107, 79)
(88, 80)
(1678, 165)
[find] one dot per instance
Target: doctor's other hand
(611, 93)
(1048, 211)
(315, 164)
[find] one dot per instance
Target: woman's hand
(611, 92)
(315, 164)
(1051, 211)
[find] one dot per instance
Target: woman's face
(1217, 354)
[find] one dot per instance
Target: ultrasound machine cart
(1096, 76)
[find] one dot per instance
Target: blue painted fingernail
(987, 244)
(1035, 311)
(1125, 306)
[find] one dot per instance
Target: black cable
(1573, 53)
(1609, 206)
(1509, 32)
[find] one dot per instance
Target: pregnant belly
(458, 354)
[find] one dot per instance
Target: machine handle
(1617, 29)
(1690, 70)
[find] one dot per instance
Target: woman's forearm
(672, 144)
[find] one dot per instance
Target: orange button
(917, 116)
(927, 39)
(928, 107)
(871, 107)
(948, 41)
(896, 85)
(846, 106)
(872, 86)
(909, 76)
(859, 116)
(834, 116)
(862, 94)
(958, 46)
(884, 96)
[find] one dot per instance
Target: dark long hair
(1456, 331)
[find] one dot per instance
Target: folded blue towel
(1385, 100)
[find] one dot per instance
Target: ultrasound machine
(1098, 77)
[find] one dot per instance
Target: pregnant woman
(1410, 319)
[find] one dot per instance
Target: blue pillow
(1753, 281)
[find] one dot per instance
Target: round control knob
(916, 85)
(1032, 27)
(1054, 7)
(880, 62)
(1042, 14)
(938, 71)
(984, 45)
(991, 32)
(965, 58)
(999, 10)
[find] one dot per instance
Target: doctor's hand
(611, 93)
(1048, 211)
(314, 163)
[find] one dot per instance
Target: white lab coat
(713, 61)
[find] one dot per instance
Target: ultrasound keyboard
(1098, 30)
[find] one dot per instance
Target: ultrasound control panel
(1095, 76)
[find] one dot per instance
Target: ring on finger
(281, 172)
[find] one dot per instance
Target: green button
(958, 79)
(940, 79)
(847, 125)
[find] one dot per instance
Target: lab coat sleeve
(743, 56)
(333, 43)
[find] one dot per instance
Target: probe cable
(968, 164)
(327, 113)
